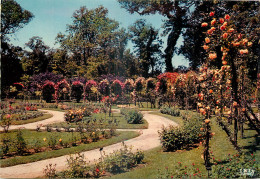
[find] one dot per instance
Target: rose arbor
(77, 90)
(223, 89)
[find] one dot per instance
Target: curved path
(57, 116)
(147, 140)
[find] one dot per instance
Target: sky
(52, 16)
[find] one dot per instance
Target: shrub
(133, 116)
(52, 141)
(50, 171)
(170, 111)
(76, 115)
(5, 146)
(76, 167)
(176, 138)
(6, 121)
(37, 145)
(20, 144)
(122, 160)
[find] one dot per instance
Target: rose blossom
(205, 47)
(211, 13)
(204, 24)
(221, 20)
(207, 40)
(212, 56)
(225, 35)
(213, 21)
(227, 17)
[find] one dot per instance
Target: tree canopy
(13, 17)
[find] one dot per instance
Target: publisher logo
(247, 172)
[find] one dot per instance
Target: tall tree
(94, 40)
(177, 14)
(36, 61)
(147, 45)
(13, 17)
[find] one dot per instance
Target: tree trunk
(235, 95)
(171, 43)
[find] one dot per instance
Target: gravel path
(147, 140)
(57, 116)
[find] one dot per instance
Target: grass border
(40, 118)
(122, 136)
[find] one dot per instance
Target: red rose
(211, 13)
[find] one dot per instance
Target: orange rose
(243, 51)
(211, 13)
(210, 91)
(209, 31)
(212, 56)
(225, 35)
(225, 24)
(231, 30)
(227, 17)
(244, 41)
(207, 121)
(224, 62)
(207, 40)
(221, 20)
(205, 47)
(212, 28)
(235, 104)
(204, 24)
(235, 44)
(213, 21)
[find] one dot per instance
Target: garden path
(147, 140)
(57, 116)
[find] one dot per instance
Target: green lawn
(178, 120)
(156, 161)
(45, 116)
(32, 136)
(122, 123)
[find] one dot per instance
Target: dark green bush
(134, 117)
(77, 167)
(171, 111)
(5, 146)
(176, 138)
(122, 160)
(20, 144)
